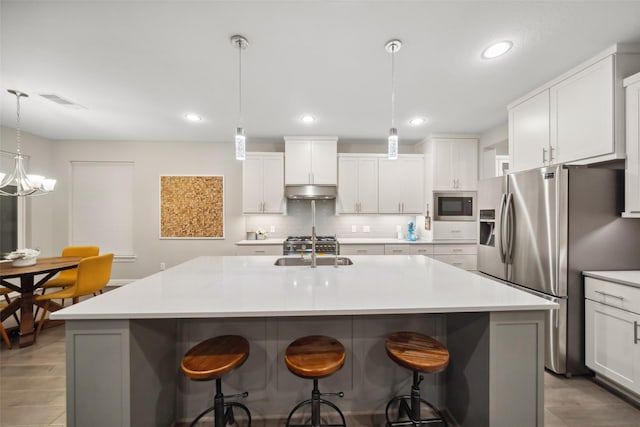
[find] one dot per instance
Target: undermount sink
(288, 262)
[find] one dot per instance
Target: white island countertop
(252, 286)
(623, 277)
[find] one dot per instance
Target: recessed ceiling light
(497, 49)
(307, 118)
(417, 121)
(192, 117)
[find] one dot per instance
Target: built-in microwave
(454, 206)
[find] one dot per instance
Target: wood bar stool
(211, 359)
(314, 357)
(420, 353)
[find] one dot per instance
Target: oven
(296, 245)
(454, 206)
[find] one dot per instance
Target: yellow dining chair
(92, 276)
(4, 291)
(67, 278)
(3, 332)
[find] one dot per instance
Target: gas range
(302, 244)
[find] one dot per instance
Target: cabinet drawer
(613, 294)
(259, 250)
(361, 249)
(465, 262)
(408, 249)
(454, 230)
(397, 250)
(455, 249)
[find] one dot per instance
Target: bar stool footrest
(406, 408)
(229, 416)
(310, 403)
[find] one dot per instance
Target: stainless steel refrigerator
(540, 229)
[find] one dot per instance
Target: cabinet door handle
(456, 250)
(259, 251)
(399, 207)
(635, 332)
(402, 207)
(551, 154)
(544, 156)
(361, 251)
(456, 231)
(396, 250)
(605, 294)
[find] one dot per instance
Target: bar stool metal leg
(315, 402)
(412, 410)
(223, 418)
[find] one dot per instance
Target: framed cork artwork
(191, 207)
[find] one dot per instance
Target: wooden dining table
(45, 267)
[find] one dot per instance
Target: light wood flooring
(32, 391)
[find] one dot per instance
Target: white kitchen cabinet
(462, 256)
(454, 230)
(582, 114)
(632, 169)
(409, 249)
(357, 184)
(584, 118)
(361, 249)
(311, 160)
(455, 164)
(612, 336)
(259, 250)
(263, 183)
(401, 185)
(529, 144)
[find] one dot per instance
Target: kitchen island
(124, 347)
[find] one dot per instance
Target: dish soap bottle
(427, 219)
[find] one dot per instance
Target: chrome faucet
(313, 234)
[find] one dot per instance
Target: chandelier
(18, 183)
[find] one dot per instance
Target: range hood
(310, 192)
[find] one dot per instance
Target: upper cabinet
(529, 145)
(311, 160)
(357, 184)
(263, 183)
(577, 118)
(455, 164)
(401, 185)
(632, 170)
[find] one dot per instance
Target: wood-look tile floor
(32, 391)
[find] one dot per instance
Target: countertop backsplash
(297, 222)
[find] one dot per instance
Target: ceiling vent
(61, 101)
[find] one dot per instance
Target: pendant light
(18, 183)
(240, 43)
(392, 47)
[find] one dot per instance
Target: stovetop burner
(303, 244)
(308, 238)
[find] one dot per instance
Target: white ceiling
(137, 67)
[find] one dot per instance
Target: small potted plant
(261, 233)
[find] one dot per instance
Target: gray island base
(123, 364)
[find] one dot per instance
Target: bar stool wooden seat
(419, 353)
(210, 360)
(314, 357)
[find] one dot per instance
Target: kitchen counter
(624, 277)
(253, 287)
(125, 345)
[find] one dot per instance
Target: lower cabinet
(259, 250)
(612, 334)
(462, 256)
(361, 249)
(455, 230)
(409, 249)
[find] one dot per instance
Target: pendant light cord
(18, 133)
(393, 96)
(240, 83)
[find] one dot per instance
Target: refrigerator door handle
(511, 234)
(503, 203)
